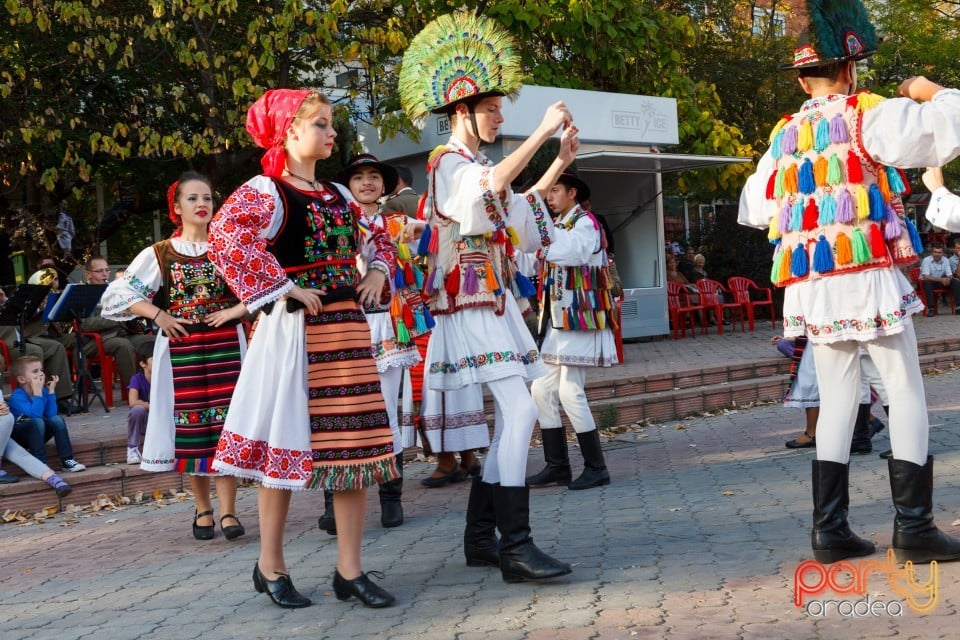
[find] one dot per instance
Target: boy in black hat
(575, 315)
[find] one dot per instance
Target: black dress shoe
(202, 533)
(363, 588)
(233, 531)
(281, 590)
(472, 471)
(886, 455)
(453, 475)
(797, 443)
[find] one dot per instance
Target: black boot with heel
(327, 522)
(520, 559)
(555, 455)
(831, 538)
(915, 537)
(595, 472)
(861, 444)
(480, 545)
(391, 507)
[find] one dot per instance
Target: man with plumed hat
(830, 191)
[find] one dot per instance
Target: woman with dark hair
(196, 356)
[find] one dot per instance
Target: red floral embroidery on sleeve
(238, 250)
(386, 251)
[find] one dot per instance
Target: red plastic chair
(680, 307)
(937, 292)
(5, 354)
(108, 366)
(711, 298)
(742, 289)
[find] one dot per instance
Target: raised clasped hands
(556, 116)
(569, 145)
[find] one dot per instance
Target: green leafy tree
(131, 94)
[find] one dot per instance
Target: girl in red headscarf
(309, 413)
(197, 354)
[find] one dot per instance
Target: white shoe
(72, 465)
(133, 456)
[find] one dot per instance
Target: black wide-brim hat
(570, 179)
(368, 160)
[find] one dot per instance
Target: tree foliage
(136, 92)
(128, 94)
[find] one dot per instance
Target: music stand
(78, 301)
(22, 305)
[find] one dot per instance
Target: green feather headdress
(456, 57)
(839, 31)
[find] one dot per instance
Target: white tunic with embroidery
(859, 304)
(575, 243)
(480, 335)
(140, 283)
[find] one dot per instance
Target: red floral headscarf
(171, 213)
(267, 122)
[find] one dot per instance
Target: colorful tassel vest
(466, 272)
(579, 297)
(833, 209)
(411, 317)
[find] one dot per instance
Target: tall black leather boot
(480, 545)
(861, 444)
(391, 507)
(520, 559)
(555, 455)
(831, 537)
(915, 536)
(327, 522)
(595, 472)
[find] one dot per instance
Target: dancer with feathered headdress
(463, 66)
(830, 191)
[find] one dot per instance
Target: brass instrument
(49, 277)
(46, 276)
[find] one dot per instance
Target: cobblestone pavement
(698, 536)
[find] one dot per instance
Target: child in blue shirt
(34, 407)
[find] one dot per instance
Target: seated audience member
(34, 408)
(19, 456)
(51, 352)
(935, 272)
(955, 257)
(138, 397)
(685, 263)
(119, 340)
(699, 267)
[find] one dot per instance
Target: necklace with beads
(313, 183)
